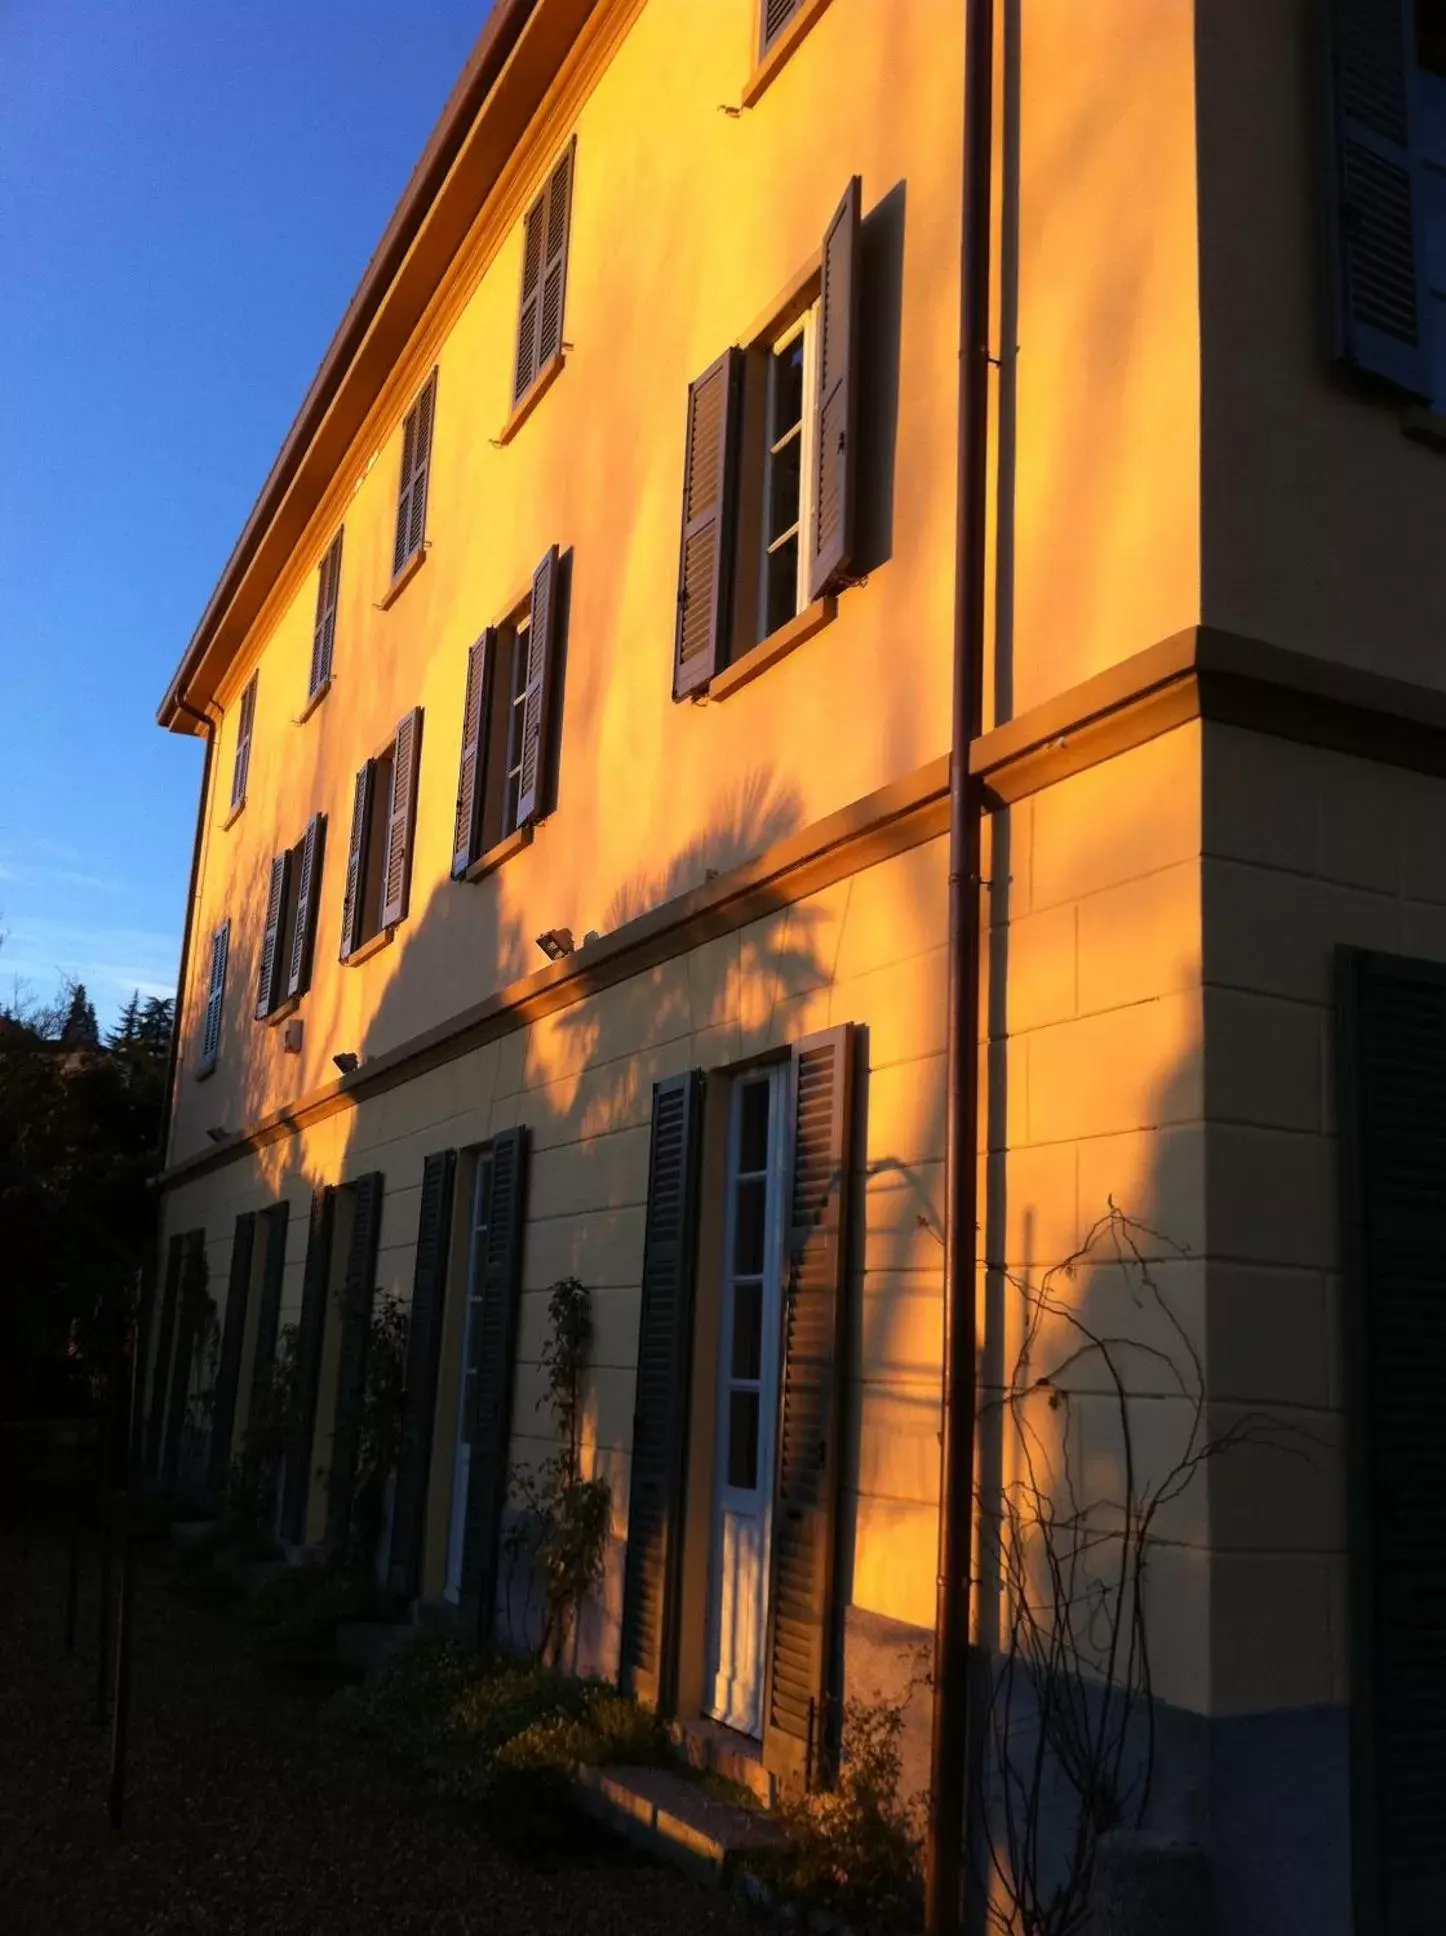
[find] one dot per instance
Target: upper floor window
(289, 938)
(773, 17)
(323, 633)
(215, 999)
(383, 822)
(245, 723)
(412, 489)
(544, 277)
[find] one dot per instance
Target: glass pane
(749, 1204)
(743, 1440)
(753, 1127)
(747, 1330)
(787, 387)
(782, 593)
(783, 480)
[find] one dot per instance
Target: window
(290, 934)
(544, 277)
(379, 857)
(245, 721)
(505, 781)
(774, 16)
(215, 998)
(323, 636)
(412, 490)
(769, 473)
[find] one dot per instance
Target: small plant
(300, 1610)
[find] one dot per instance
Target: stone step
(714, 1749)
(675, 1818)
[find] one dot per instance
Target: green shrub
(301, 1609)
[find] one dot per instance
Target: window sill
(762, 76)
(281, 1012)
(528, 402)
(381, 939)
(498, 852)
(235, 814)
(313, 702)
(405, 576)
(776, 646)
(206, 1069)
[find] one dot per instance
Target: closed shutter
(401, 818)
(416, 462)
(307, 1369)
(467, 826)
(357, 1298)
(215, 997)
(836, 431)
(308, 900)
(270, 979)
(660, 1409)
(1374, 197)
(494, 1342)
(228, 1371)
(323, 636)
(705, 558)
(424, 1349)
(268, 1316)
(188, 1325)
(352, 909)
(245, 724)
(165, 1344)
(535, 781)
(1392, 1058)
(807, 1464)
(774, 17)
(544, 275)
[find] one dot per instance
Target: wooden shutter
(806, 1468)
(1374, 197)
(660, 1408)
(268, 1311)
(534, 783)
(401, 818)
(357, 1298)
(307, 1370)
(554, 272)
(165, 1343)
(352, 907)
(494, 1342)
(424, 1350)
(228, 1371)
(774, 17)
(245, 724)
(705, 558)
(323, 636)
(836, 429)
(416, 462)
(270, 979)
(215, 996)
(471, 787)
(188, 1324)
(1392, 1062)
(308, 900)
(534, 242)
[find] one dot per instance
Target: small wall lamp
(217, 1134)
(556, 943)
(347, 1062)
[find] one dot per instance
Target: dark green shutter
(307, 1371)
(424, 1350)
(165, 1344)
(353, 899)
(357, 1297)
(270, 980)
(233, 1333)
(799, 1642)
(1392, 1059)
(308, 901)
(534, 780)
(471, 774)
(401, 818)
(836, 425)
(494, 1344)
(188, 1324)
(660, 1409)
(705, 550)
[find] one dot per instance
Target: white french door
(462, 1444)
(748, 1363)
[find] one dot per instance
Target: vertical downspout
(208, 728)
(945, 1851)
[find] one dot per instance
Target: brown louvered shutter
(807, 1462)
(466, 835)
(307, 1369)
(270, 979)
(356, 860)
(416, 461)
(494, 1343)
(215, 996)
(245, 725)
(228, 1370)
(323, 636)
(308, 900)
(424, 1351)
(534, 782)
(534, 243)
(774, 16)
(188, 1325)
(165, 1344)
(268, 1315)
(554, 271)
(357, 1297)
(401, 818)
(1392, 1068)
(705, 558)
(836, 431)
(660, 1408)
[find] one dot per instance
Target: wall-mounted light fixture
(347, 1062)
(556, 943)
(217, 1134)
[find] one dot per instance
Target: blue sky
(192, 189)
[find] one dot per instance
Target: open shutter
(308, 900)
(774, 17)
(554, 271)
(710, 464)
(215, 996)
(494, 1342)
(836, 431)
(358, 1295)
(534, 244)
(660, 1409)
(401, 818)
(424, 1350)
(165, 1344)
(188, 1324)
(356, 860)
(466, 835)
(307, 1369)
(228, 1371)
(1392, 1061)
(806, 1473)
(268, 1314)
(269, 980)
(425, 414)
(323, 636)
(533, 786)
(1374, 197)
(245, 723)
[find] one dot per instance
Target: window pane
(782, 591)
(747, 1330)
(743, 1440)
(753, 1127)
(783, 483)
(748, 1213)
(787, 386)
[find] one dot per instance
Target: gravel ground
(249, 1810)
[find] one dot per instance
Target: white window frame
(805, 326)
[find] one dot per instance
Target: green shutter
(705, 549)
(534, 781)
(358, 1295)
(424, 1350)
(310, 1328)
(836, 424)
(165, 1344)
(228, 1373)
(188, 1325)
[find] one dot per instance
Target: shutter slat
(424, 1352)
(245, 725)
(705, 557)
(228, 1371)
(534, 239)
(307, 1373)
(836, 426)
(417, 433)
(775, 16)
(356, 860)
(554, 277)
(188, 1324)
(165, 1344)
(215, 996)
(323, 637)
(357, 1298)
(308, 900)
(401, 818)
(467, 825)
(269, 979)
(534, 783)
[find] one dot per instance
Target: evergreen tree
(80, 1029)
(125, 1033)
(154, 1025)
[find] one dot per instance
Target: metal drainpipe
(947, 1833)
(208, 727)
